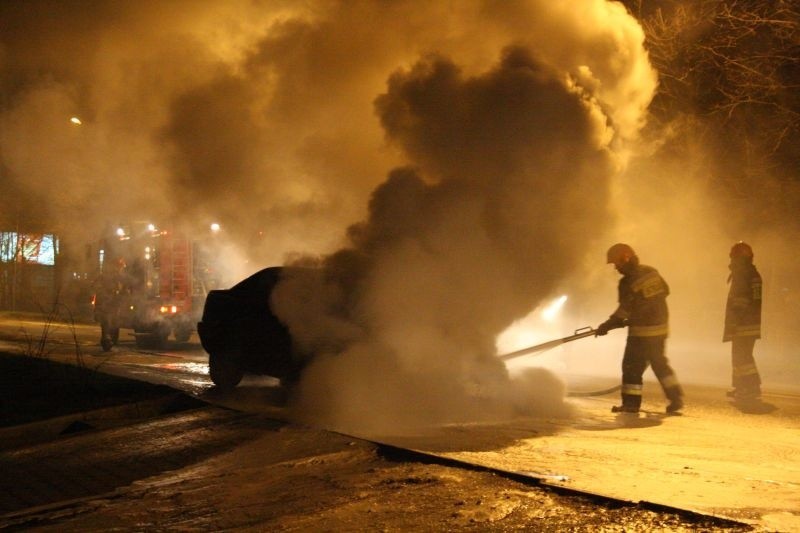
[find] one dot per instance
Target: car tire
(224, 372)
(291, 379)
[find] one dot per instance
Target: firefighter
(643, 310)
(111, 288)
(743, 322)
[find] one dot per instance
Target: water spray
(580, 333)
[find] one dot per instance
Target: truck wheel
(182, 333)
(160, 335)
(225, 373)
(154, 339)
(143, 340)
(106, 343)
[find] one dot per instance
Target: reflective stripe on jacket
(643, 303)
(743, 308)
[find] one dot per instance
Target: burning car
(242, 335)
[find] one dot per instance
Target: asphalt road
(717, 458)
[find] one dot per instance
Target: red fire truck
(166, 276)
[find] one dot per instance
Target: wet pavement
(211, 468)
(714, 460)
(717, 459)
(94, 462)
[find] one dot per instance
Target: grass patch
(34, 389)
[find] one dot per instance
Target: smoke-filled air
(474, 230)
(437, 172)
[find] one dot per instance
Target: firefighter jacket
(743, 308)
(643, 303)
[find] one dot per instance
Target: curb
(547, 482)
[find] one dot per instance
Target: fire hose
(580, 333)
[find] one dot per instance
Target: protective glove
(603, 328)
(612, 323)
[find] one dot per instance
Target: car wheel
(291, 379)
(225, 373)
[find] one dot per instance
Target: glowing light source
(215, 227)
(120, 232)
(550, 312)
(76, 121)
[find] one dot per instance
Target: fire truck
(166, 276)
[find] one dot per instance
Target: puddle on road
(191, 368)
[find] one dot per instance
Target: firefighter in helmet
(743, 322)
(111, 289)
(643, 310)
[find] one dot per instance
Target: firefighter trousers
(745, 378)
(641, 352)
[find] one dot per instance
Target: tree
(730, 80)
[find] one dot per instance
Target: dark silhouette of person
(743, 322)
(111, 289)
